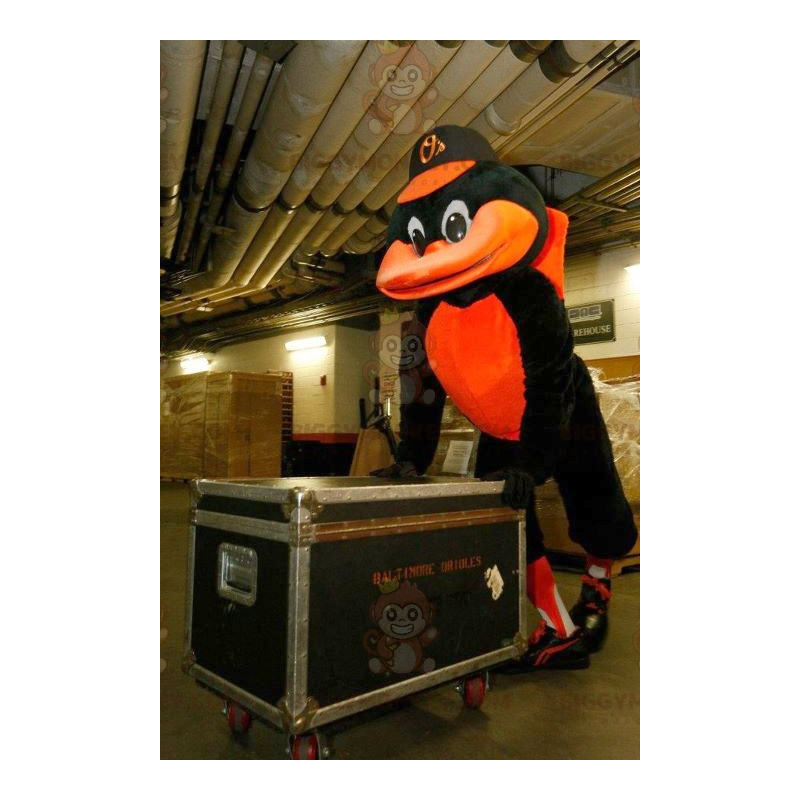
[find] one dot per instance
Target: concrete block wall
(590, 278)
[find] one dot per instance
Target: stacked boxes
(183, 413)
(225, 425)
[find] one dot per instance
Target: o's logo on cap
(431, 146)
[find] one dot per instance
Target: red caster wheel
(307, 747)
(474, 691)
(239, 720)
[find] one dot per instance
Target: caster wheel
(239, 720)
(474, 691)
(307, 747)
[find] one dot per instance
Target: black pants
(599, 516)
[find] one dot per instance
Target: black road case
(312, 599)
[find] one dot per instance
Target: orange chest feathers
(476, 355)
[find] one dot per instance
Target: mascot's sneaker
(546, 650)
(590, 613)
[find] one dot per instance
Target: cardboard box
(243, 426)
(224, 425)
(457, 449)
(183, 408)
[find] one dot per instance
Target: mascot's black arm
(420, 424)
(548, 361)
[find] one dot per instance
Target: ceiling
(281, 161)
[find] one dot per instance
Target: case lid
(349, 489)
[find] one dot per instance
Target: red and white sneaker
(546, 650)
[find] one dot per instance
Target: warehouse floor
(585, 714)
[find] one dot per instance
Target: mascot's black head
(462, 217)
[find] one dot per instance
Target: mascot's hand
(401, 469)
(518, 487)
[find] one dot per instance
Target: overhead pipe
(360, 145)
(181, 73)
(251, 100)
(471, 60)
(339, 123)
(223, 90)
(560, 61)
(257, 81)
(169, 230)
(552, 75)
(309, 80)
(491, 80)
(341, 119)
(514, 60)
(369, 236)
(471, 96)
(594, 72)
(219, 332)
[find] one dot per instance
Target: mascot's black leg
(600, 518)
(556, 643)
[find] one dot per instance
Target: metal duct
(257, 82)
(181, 73)
(369, 236)
(169, 230)
(529, 90)
(365, 139)
(567, 94)
(309, 80)
(512, 61)
(472, 59)
(226, 79)
(494, 74)
(339, 123)
(560, 61)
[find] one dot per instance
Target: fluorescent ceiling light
(305, 344)
(633, 276)
(193, 364)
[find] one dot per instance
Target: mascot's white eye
(456, 221)
(417, 235)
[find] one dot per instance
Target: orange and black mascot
(472, 241)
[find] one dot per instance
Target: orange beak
(501, 233)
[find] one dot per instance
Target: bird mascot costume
(472, 242)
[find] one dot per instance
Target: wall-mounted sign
(593, 322)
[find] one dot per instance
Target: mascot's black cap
(441, 156)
